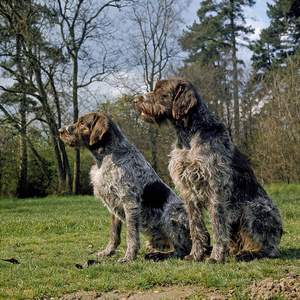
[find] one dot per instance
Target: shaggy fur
(131, 190)
(211, 173)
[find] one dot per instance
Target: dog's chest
(106, 181)
(197, 171)
(187, 171)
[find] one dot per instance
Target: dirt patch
(170, 293)
(288, 288)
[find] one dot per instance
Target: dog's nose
(60, 130)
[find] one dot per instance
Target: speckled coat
(211, 173)
(131, 190)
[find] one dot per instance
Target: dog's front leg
(132, 212)
(199, 234)
(220, 231)
(115, 237)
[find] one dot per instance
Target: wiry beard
(148, 119)
(71, 141)
(153, 117)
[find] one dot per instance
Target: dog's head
(93, 129)
(171, 99)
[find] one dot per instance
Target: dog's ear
(184, 99)
(99, 127)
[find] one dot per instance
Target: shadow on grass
(290, 253)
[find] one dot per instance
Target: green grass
(50, 235)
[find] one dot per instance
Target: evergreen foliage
(281, 39)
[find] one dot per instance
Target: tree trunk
(62, 147)
(153, 132)
(76, 172)
(66, 166)
(76, 177)
(236, 105)
(22, 180)
(53, 130)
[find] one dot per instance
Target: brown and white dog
(131, 190)
(211, 173)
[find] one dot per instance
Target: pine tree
(281, 39)
(213, 42)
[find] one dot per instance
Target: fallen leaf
(87, 264)
(11, 260)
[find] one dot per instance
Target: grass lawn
(48, 236)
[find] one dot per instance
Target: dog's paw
(212, 260)
(194, 257)
(248, 255)
(104, 253)
(124, 260)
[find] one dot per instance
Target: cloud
(256, 34)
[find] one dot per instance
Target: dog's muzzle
(64, 129)
(140, 98)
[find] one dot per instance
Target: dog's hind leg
(261, 230)
(115, 237)
(175, 222)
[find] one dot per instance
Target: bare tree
(83, 22)
(154, 37)
(153, 45)
(277, 149)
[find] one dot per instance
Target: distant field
(48, 236)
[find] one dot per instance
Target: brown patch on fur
(248, 249)
(183, 101)
(159, 245)
(99, 127)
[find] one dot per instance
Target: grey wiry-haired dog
(130, 189)
(211, 173)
